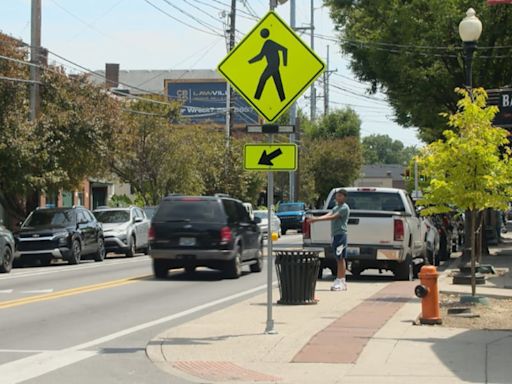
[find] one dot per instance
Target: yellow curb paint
(70, 292)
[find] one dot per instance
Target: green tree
(70, 140)
(469, 168)
(382, 149)
(335, 125)
(411, 51)
(328, 164)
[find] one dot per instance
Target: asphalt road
(91, 322)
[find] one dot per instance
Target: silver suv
(125, 229)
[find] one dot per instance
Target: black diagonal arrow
(266, 159)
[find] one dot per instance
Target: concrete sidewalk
(364, 335)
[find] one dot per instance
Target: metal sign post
(270, 202)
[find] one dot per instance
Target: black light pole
(470, 29)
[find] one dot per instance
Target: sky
(189, 34)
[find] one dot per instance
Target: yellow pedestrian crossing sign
(270, 157)
(271, 67)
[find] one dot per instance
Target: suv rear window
(190, 210)
(373, 201)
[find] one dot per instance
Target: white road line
(37, 365)
(50, 270)
(24, 351)
(37, 291)
(6, 291)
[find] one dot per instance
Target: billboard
(502, 98)
(205, 101)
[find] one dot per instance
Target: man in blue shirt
(339, 220)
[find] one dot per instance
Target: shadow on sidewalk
(198, 340)
(474, 356)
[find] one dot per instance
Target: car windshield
(290, 207)
(373, 201)
(50, 218)
(113, 216)
(201, 210)
(261, 215)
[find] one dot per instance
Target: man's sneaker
(336, 286)
(343, 286)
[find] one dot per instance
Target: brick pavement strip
(344, 340)
(222, 371)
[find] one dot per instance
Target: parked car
(70, 234)
(263, 216)
(209, 231)
(125, 230)
(291, 216)
(150, 211)
(431, 238)
(6, 250)
(250, 210)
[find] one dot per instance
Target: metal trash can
(297, 272)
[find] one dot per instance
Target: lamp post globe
(470, 29)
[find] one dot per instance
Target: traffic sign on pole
(271, 67)
(270, 157)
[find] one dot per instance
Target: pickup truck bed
(385, 237)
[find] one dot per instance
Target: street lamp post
(470, 29)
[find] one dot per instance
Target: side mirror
(257, 220)
(138, 220)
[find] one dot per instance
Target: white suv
(125, 229)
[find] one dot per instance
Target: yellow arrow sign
(271, 67)
(270, 157)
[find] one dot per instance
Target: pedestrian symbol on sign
(270, 51)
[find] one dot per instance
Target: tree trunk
(473, 253)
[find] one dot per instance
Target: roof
(153, 80)
(382, 171)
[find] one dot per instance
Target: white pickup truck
(384, 232)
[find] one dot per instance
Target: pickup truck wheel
(356, 271)
(405, 270)
(283, 231)
(433, 257)
(189, 269)
(234, 267)
(160, 269)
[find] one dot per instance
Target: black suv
(70, 234)
(209, 231)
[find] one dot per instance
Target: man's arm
(327, 217)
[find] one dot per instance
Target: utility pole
(230, 94)
(293, 115)
(313, 89)
(35, 51)
(326, 86)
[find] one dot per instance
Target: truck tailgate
(364, 228)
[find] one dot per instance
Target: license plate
(353, 251)
(187, 241)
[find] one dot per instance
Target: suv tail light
(398, 230)
(306, 229)
(151, 233)
(225, 235)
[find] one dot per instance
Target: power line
(17, 80)
(203, 23)
(201, 10)
(181, 21)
